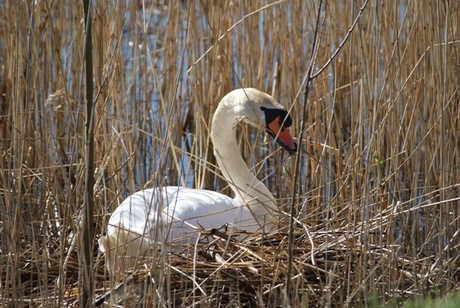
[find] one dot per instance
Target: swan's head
(264, 112)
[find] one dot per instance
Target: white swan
(170, 215)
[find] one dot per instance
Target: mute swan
(170, 215)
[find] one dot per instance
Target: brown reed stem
(87, 224)
(299, 157)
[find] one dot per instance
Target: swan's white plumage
(133, 228)
(179, 205)
(170, 216)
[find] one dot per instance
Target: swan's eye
(284, 119)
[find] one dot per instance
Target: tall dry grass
(378, 184)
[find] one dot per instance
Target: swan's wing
(193, 208)
(172, 215)
(130, 230)
(138, 213)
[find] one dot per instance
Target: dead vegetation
(375, 194)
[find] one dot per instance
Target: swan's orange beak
(281, 135)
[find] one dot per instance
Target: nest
(322, 266)
(352, 265)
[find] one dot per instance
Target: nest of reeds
(314, 268)
(223, 272)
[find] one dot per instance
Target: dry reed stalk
(379, 182)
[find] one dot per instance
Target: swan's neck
(249, 191)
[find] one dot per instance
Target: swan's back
(168, 217)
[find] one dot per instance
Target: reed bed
(374, 193)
